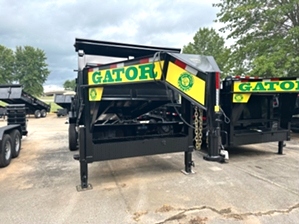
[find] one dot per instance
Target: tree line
(265, 38)
(26, 66)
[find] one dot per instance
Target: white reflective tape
(120, 65)
(191, 70)
(217, 97)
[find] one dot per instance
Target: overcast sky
(53, 25)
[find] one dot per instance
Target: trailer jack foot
(187, 173)
(80, 188)
(219, 158)
(225, 155)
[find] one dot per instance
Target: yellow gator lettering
(134, 73)
(270, 86)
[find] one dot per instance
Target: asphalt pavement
(256, 186)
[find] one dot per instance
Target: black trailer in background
(265, 117)
(11, 135)
(64, 101)
(14, 94)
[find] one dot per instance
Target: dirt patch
(137, 215)
(198, 220)
(165, 208)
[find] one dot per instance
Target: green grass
(54, 107)
(50, 100)
(3, 104)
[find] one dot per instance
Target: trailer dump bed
(14, 94)
(64, 101)
(110, 97)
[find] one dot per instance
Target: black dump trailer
(11, 134)
(3, 112)
(254, 110)
(14, 94)
(64, 101)
(131, 81)
(258, 110)
(295, 118)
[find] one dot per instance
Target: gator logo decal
(185, 81)
(238, 97)
(93, 94)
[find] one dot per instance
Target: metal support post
(188, 160)
(83, 163)
(214, 138)
(280, 147)
(213, 116)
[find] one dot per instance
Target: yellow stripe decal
(267, 86)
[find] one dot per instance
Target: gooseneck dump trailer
(258, 110)
(14, 94)
(104, 119)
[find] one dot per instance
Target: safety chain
(198, 114)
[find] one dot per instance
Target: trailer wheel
(16, 143)
(5, 151)
(43, 113)
(37, 114)
(72, 137)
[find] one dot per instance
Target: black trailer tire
(37, 114)
(72, 137)
(5, 150)
(43, 113)
(16, 143)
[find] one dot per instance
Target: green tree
(6, 65)
(208, 42)
(69, 84)
(266, 35)
(31, 69)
